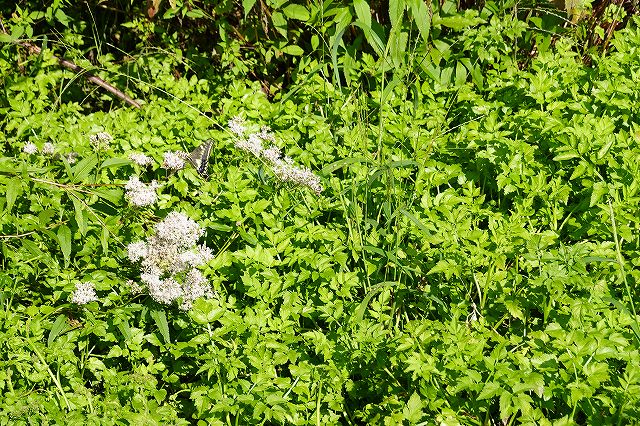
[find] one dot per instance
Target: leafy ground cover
(468, 255)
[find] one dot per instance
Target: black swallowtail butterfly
(199, 158)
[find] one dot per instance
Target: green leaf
(247, 5)
(280, 23)
(81, 214)
(12, 191)
(114, 162)
(457, 22)
(363, 12)
(415, 221)
(64, 239)
(421, 18)
(125, 329)
(599, 189)
(160, 318)
(568, 155)
(114, 196)
(293, 50)
(206, 311)
(372, 37)
(296, 11)
(359, 312)
(489, 390)
(59, 326)
(16, 33)
(397, 47)
(602, 152)
(84, 167)
(396, 10)
(413, 410)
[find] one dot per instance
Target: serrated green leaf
(363, 12)
(84, 167)
(514, 309)
(114, 162)
(80, 214)
(598, 191)
(114, 196)
(413, 409)
(12, 191)
(160, 319)
(59, 326)
(396, 10)
(64, 239)
(489, 390)
(421, 18)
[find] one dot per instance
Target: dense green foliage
(473, 258)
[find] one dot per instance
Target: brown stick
(35, 50)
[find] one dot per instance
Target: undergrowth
(470, 255)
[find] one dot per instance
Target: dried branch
(35, 50)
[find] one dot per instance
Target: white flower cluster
(72, 157)
(283, 167)
(140, 159)
(174, 160)
(48, 148)
(140, 194)
(84, 293)
(30, 148)
(101, 141)
(169, 261)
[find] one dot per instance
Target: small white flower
(48, 148)
(195, 285)
(140, 194)
(165, 291)
(30, 148)
(272, 154)
(137, 251)
(266, 134)
(174, 160)
(140, 159)
(177, 228)
(252, 144)
(197, 257)
(286, 171)
(72, 157)
(236, 126)
(101, 141)
(84, 293)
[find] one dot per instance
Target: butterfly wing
(199, 158)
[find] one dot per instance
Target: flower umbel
(30, 148)
(284, 168)
(140, 159)
(140, 194)
(169, 261)
(84, 293)
(101, 141)
(174, 160)
(48, 148)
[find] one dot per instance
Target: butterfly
(199, 158)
